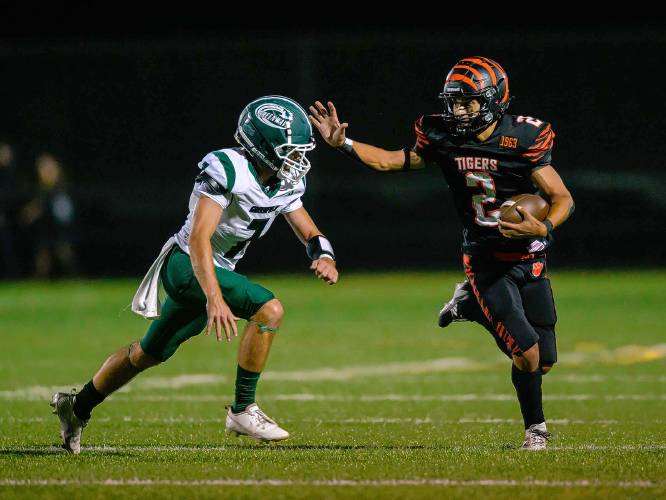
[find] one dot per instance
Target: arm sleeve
(540, 151)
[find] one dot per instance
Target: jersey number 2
(481, 217)
(528, 119)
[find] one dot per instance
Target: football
(533, 203)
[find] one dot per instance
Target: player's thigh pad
(243, 297)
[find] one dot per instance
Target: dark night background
(130, 112)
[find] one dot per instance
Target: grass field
(380, 402)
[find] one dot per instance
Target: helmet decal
(274, 115)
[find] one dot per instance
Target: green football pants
(184, 309)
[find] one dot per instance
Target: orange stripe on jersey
(544, 136)
(537, 155)
(544, 132)
(541, 144)
(464, 79)
(485, 65)
(539, 150)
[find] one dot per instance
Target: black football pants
(514, 302)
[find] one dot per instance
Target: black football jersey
(483, 175)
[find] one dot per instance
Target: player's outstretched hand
(326, 121)
(221, 318)
(325, 269)
(530, 227)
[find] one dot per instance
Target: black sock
(528, 389)
(86, 400)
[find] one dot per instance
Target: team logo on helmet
(274, 115)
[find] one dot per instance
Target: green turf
(374, 415)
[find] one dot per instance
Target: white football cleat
(254, 423)
(71, 426)
(536, 437)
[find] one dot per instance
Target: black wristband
(549, 226)
(408, 158)
(318, 246)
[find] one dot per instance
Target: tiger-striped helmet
(475, 78)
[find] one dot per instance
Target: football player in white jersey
(237, 195)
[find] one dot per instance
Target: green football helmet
(276, 132)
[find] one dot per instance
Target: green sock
(246, 386)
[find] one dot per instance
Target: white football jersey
(229, 179)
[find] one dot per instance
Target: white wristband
(349, 142)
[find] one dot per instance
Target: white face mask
(294, 162)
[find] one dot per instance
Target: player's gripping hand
(326, 121)
(530, 227)
(220, 317)
(325, 269)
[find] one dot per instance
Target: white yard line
(360, 420)
(623, 355)
(380, 370)
(180, 381)
(224, 448)
(488, 483)
(367, 398)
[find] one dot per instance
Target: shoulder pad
(428, 123)
(429, 129)
(536, 138)
(218, 169)
(527, 128)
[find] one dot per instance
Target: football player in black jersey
(488, 156)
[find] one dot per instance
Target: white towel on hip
(146, 301)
